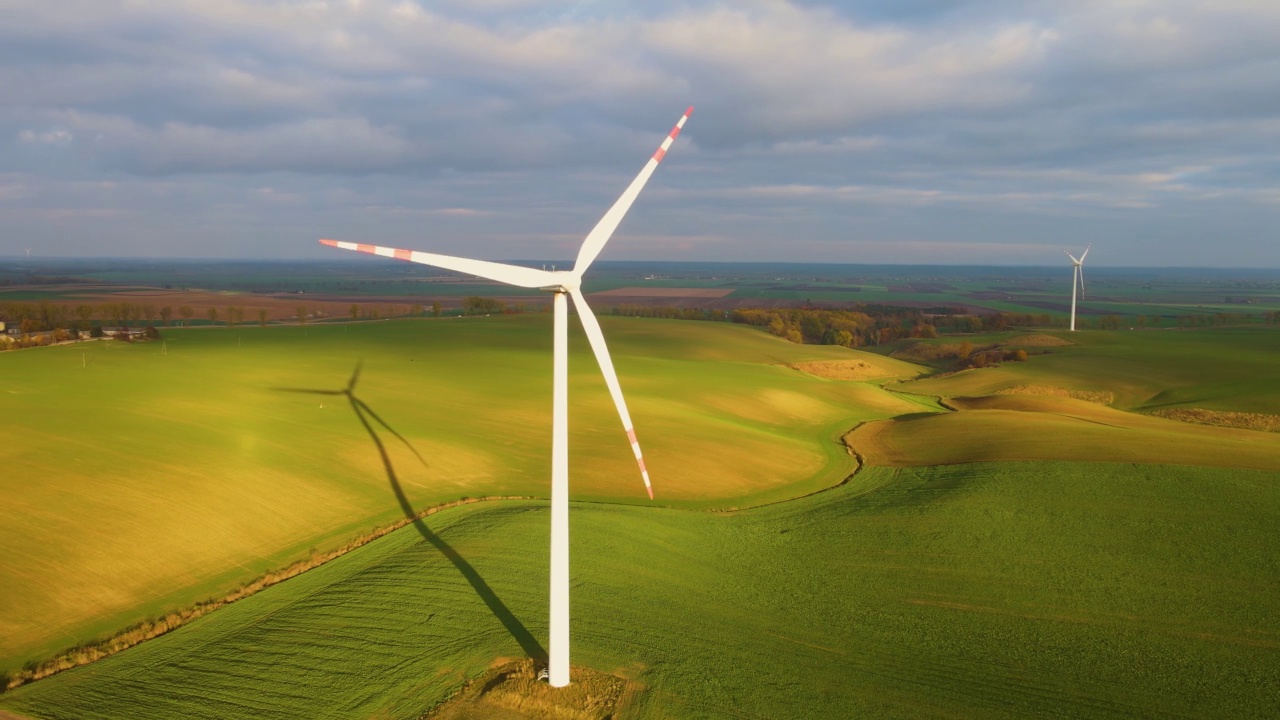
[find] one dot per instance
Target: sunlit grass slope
(1007, 590)
(1219, 369)
(139, 478)
(1021, 427)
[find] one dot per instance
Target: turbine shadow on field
(363, 412)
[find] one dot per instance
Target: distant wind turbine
(560, 284)
(1077, 280)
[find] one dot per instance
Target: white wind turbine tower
(1077, 280)
(559, 283)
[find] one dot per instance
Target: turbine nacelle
(567, 281)
(1084, 254)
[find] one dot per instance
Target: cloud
(48, 137)
(899, 118)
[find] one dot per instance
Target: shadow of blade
(306, 391)
(527, 642)
(360, 405)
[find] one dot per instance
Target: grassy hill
(141, 478)
(1218, 369)
(1110, 564)
(994, 590)
(1028, 427)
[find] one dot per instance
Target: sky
(884, 131)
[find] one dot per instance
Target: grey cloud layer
(508, 125)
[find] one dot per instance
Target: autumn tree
(213, 314)
(924, 330)
(262, 317)
(186, 312)
(482, 306)
(837, 337)
(165, 313)
(112, 311)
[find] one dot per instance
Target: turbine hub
(568, 282)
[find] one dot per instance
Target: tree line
(874, 324)
(865, 324)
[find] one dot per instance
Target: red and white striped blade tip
(330, 243)
(650, 489)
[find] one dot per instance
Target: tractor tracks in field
(151, 628)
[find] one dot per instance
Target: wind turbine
(560, 284)
(1077, 280)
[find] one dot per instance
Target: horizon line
(349, 260)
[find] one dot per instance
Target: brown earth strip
(512, 691)
(842, 370)
(1094, 396)
(278, 307)
(1220, 418)
(663, 292)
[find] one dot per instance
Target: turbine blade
(509, 274)
(1086, 252)
(603, 230)
(592, 326)
(1073, 258)
(1081, 276)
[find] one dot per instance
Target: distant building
(131, 332)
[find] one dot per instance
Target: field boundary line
(140, 632)
(844, 440)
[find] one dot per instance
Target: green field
(141, 478)
(1007, 590)
(1221, 369)
(1018, 556)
